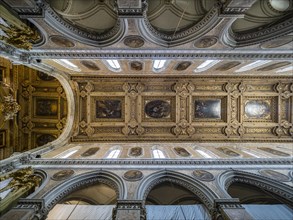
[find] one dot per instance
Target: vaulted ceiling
(120, 57)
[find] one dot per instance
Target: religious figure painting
(108, 108)
(275, 175)
(62, 175)
(158, 109)
(182, 65)
(90, 152)
(90, 65)
(207, 108)
(203, 175)
(136, 65)
(274, 66)
(182, 152)
(46, 107)
(228, 152)
(227, 66)
(61, 41)
(135, 151)
(133, 175)
(258, 109)
(273, 151)
(44, 139)
(134, 41)
(206, 42)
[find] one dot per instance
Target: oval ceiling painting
(136, 65)
(206, 42)
(203, 175)
(134, 41)
(90, 65)
(62, 175)
(275, 175)
(133, 175)
(158, 109)
(61, 41)
(182, 65)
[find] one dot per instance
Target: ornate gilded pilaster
(133, 101)
(234, 123)
(183, 118)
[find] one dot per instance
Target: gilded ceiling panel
(184, 109)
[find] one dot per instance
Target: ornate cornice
(164, 162)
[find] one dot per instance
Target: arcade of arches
(146, 109)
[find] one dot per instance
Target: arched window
(68, 153)
(114, 153)
(159, 65)
(158, 154)
(204, 154)
(113, 65)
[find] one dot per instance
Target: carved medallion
(61, 41)
(158, 109)
(62, 175)
(181, 152)
(203, 175)
(277, 42)
(210, 108)
(90, 65)
(182, 65)
(275, 175)
(133, 175)
(136, 65)
(228, 152)
(256, 109)
(45, 77)
(44, 139)
(273, 151)
(134, 41)
(108, 109)
(90, 152)
(206, 42)
(228, 66)
(135, 151)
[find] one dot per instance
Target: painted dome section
(96, 16)
(177, 15)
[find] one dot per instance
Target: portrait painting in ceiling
(181, 152)
(228, 152)
(134, 41)
(135, 152)
(274, 152)
(62, 41)
(203, 175)
(158, 109)
(258, 109)
(108, 108)
(46, 107)
(275, 175)
(45, 77)
(136, 65)
(90, 152)
(44, 139)
(182, 65)
(133, 175)
(90, 65)
(207, 108)
(206, 42)
(62, 175)
(227, 66)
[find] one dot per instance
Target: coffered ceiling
(173, 70)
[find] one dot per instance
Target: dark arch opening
(168, 193)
